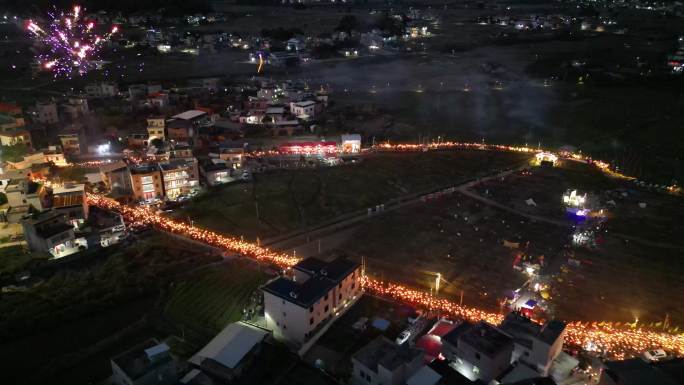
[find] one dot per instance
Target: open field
(211, 298)
(620, 281)
(546, 186)
(74, 311)
(13, 258)
(458, 237)
(657, 222)
(633, 271)
(288, 200)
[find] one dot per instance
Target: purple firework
(71, 41)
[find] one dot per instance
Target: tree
(157, 143)
(3, 198)
(13, 153)
(347, 24)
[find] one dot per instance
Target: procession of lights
(71, 41)
(615, 340)
(145, 216)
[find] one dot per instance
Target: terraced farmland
(206, 302)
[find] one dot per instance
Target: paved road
(536, 218)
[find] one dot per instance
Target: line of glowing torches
(614, 340)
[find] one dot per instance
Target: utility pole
(461, 301)
(256, 205)
(319, 246)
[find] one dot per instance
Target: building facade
(50, 232)
(478, 352)
(303, 110)
(46, 112)
(147, 184)
(382, 362)
(156, 127)
(10, 138)
(295, 307)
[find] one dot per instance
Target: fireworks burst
(72, 42)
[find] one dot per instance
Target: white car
(403, 337)
(654, 355)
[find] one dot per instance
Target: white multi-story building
(180, 176)
(303, 110)
(295, 307)
(536, 345)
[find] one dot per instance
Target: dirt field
(458, 237)
(293, 199)
(632, 271)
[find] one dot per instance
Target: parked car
(654, 355)
(403, 337)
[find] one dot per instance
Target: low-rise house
(117, 178)
(180, 130)
(49, 231)
(12, 137)
(46, 112)
(215, 171)
(296, 307)
(382, 362)
(255, 104)
(180, 150)
(159, 99)
(76, 107)
(70, 200)
(230, 352)
(138, 140)
(156, 127)
(55, 155)
(109, 226)
(232, 153)
(27, 161)
(22, 195)
(102, 90)
(303, 110)
(146, 182)
(478, 352)
(11, 117)
(146, 364)
(535, 344)
(209, 84)
(71, 142)
(197, 118)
